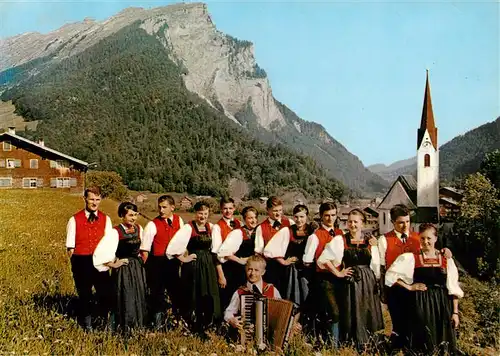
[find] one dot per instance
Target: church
(421, 196)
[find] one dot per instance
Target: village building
(186, 203)
(32, 165)
(449, 203)
(371, 224)
(421, 196)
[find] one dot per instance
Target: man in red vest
(84, 231)
(162, 273)
(224, 226)
(390, 245)
(265, 232)
(323, 290)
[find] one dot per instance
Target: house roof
(449, 200)
(427, 122)
(40, 149)
(454, 190)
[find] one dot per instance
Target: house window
(427, 160)
(30, 182)
(5, 182)
(63, 182)
(33, 163)
(13, 163)
(58, 164)
(7, 146)
(383, 215)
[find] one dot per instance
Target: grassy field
(37, 291)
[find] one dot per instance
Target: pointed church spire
(427, 122)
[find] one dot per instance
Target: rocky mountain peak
(219, 68)
(216, 66)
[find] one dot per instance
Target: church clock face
(427, 144)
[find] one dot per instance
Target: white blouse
(179, 242)
(334, 252)
(259, 238)
(277, 246)
(105, 251)
(404, 267)
(231, 245)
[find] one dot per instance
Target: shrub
(111, 184)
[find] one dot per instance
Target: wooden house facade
(186, 203)
(31, 165)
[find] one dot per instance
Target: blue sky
(358, 68)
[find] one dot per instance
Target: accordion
(272, 320)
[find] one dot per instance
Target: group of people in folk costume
(337, 279)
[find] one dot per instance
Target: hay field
(37, 291)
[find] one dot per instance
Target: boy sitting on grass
(255, 269)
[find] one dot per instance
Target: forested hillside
(457, 158)
(463, 155)
(122, 103)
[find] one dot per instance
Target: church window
(427, 160)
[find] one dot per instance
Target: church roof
(402, 191)
(427, 121)
(409, 182)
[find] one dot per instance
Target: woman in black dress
(119, 250)
(358, 297)
(433, 280)
(236, 248)
(200, 269)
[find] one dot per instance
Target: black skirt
(296, 284)
(431, 330)
(201, 291)
(130, 307)
(235, 278)
(359, 306)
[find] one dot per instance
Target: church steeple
(427, 156)
(427, 121)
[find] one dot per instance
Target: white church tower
(427, 156)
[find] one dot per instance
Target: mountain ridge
(219, 68)
(460, 156)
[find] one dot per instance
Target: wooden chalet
(370, 214)
(449, 203)
(186, 203)
(32, 165)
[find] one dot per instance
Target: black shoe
(203, 335)
(158, 321)
(87, 323)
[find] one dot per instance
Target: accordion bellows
(266, 320)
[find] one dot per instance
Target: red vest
(324, 237)
(164, 233)
(88, 234)
(396, 247)
(225, 229)
(268, 230)
(267, 290)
